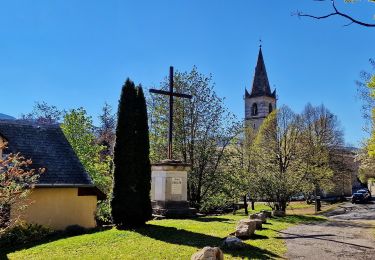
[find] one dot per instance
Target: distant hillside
(6, 117)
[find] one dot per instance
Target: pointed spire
(261, 86)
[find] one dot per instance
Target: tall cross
(171, 94)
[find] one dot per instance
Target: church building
(261, 101)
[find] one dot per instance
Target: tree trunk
(318, 205)
(252, 204)
(282, 206)
(245, 205)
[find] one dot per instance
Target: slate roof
(48, 148)
(261, 85)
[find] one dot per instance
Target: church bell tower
(261, 101)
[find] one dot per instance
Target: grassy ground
(163, 239)
(300, 207)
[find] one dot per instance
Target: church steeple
(260, 102)
(261, 85)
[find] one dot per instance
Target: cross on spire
(171, 94)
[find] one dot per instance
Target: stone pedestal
(169, 189)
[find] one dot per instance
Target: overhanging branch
(336, 13)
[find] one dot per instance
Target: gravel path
(348, 234)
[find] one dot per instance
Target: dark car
(366, 192)
(362, 195)
(358, 197)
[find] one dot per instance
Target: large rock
(233, 243)
(245, 228)
(260, 216)
(258, 223)
(267, 213)
(208, 253)
(278, 213)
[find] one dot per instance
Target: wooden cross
(171, 94)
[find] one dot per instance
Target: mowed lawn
(163, 239)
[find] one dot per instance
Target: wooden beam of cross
(171, 94)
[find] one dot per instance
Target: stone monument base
(169, 190)
(173, 209)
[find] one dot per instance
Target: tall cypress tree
(143, 156)
(130, 205)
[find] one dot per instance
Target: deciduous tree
(79, 130)
(17, 179)
(274, 173)
(203, 129)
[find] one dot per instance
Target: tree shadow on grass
(296, 219)
(183, 237)
(4, 251)
(213, 219)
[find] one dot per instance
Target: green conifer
(131, 206)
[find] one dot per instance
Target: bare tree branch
(338, 13)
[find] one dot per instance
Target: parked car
(297, 197)
(366, 192)
(360, 196)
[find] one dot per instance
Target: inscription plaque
(176, 186)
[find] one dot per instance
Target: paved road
(348, 234)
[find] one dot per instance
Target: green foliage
(23, 233)
(79, 130)
(274, 167)
(371, 142)
(131, 205)
(293, 153)
(103, 211)
(366, 156)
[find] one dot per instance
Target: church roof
(261, 85)
(48, 148)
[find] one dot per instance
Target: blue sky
(78, 53)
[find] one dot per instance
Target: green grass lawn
(163, 239)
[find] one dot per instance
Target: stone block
(245, 228)
(260, 216)
(233, 243)
(267, 213)
(208, 253)
(278, 213)
(258, 223)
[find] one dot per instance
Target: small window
(270, 108)
(254, 109)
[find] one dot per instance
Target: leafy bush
(103, 212)
(23, 233)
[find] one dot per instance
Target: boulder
(208, 253)
(245, 228)
(260, 216)
(258, 223)
(267, 213)
(233, 243)
(278, 213)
